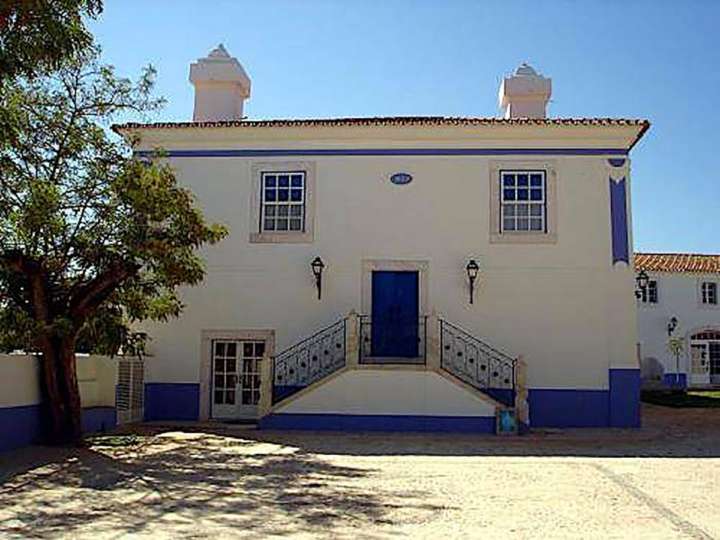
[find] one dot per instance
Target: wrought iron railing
(476, 363)
(308, 361)
(393, 342)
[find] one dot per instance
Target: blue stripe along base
(624, 398)
(25, 425)
(172, 401)
(675, 380)
(619, 406)
(373, 422)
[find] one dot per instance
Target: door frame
(206, 357)
(422, 267)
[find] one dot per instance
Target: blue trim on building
(273, 152)
(20, 426)
(23, 425)
(568, 408)
(624, 398)
(98, 419)
(619, 221)
(172, 401)
(503, 395)
(675, 380)
(368, 422)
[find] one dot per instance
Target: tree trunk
(62, 391)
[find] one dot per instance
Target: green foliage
(37, 36)
(107, 238)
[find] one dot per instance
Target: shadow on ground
(197, 479)
(181, 479)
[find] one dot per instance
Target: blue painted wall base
(619, 406)
(172, 401)
(675, 380)
(22, 426)
(624, 398)
(366, 422)
(568, 408)
(98, 419)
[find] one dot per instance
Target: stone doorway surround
(207, 337)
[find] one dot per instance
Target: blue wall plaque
(401, 178)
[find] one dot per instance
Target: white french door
(236, 378)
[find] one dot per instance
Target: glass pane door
(252, 354)
(714, 354)
(225, 379)
(236, 378)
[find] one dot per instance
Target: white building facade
(681, 302)
(419, 273)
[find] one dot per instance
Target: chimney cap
(219, 66)
(219, 52)
(221, 86)
(525, 93)
(523, 69)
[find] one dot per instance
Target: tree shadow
(194, 484)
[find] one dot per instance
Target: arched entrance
(705, 357)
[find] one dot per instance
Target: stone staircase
(448, 350)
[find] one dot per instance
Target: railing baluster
(308, 361)
(476, 363)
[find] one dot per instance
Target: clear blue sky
(652, 59)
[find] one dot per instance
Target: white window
(523, 201)
(709, 293)
(282, 208)
(649, 295)
(283, 202)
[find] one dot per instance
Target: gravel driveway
(199, 481)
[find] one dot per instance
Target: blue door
(395, 314)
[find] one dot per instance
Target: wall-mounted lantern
(672, 325)
(318, 266)
(641, 281)
(472, 270)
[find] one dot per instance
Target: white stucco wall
(416, 393)
(20, 378)
(564, 306)
(678, 296)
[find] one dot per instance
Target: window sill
(281, 238)
(523, 238)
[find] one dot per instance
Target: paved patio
(201, 481)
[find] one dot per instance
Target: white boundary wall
(20, 378)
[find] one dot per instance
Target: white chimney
(525, 94)
(221, 87)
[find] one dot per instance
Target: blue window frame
(283, 201)
(523, 201)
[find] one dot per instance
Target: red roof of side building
(678, 262)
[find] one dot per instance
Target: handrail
(304, 340)
(308, 361)
(477, 339)
(477, 363)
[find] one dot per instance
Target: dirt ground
(199, 481)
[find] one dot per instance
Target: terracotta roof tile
(385, 121)
(677, 262)
(392, 121)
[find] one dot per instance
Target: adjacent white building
(420, 273)
(680, 301)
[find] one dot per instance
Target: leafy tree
(38, 35)
(92, 240)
